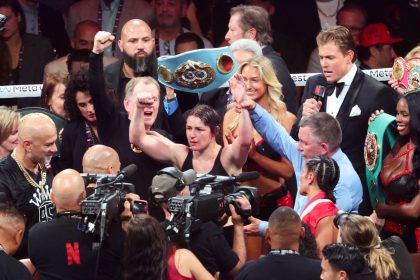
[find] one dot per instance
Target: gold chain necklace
(29, 177)
(324, 14)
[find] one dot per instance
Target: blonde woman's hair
(276, 107)
(414, 53)
(8, 118)
(361, 232)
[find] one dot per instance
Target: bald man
(137, 46)
(283, 234)
(12, 226)
(24, 179)
(101, 159)
(69, 253)
(82, 40)
(57, 248)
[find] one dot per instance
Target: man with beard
(112, 124)
(139, 58)
(24, 178)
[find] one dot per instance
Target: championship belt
(380, 128)
(198, 70)
(59, 122)
(407, 73)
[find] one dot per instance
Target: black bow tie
(337, 86)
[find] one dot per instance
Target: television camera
(107, 202)
(210, 197)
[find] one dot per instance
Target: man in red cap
(376, 48)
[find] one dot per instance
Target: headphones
(174, 173)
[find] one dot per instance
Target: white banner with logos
(380, 74)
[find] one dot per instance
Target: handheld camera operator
(207, 240)
(71, 252)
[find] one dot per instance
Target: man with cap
(208, 242)
(376, 48)
(346, 93)
(24, 177)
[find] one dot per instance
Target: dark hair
(17, 10)
(353, 7)
(5, 59)
(146, 249)
(341, 36)
(78, 56)
(413, 103)
(189, 37)
(363, 53)
(209, 117)
(48, 87)
(307, 245)
(9, 210)
(327, 173)
(345, 257)
(78, 82)
(254, 17)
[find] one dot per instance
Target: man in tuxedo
(350, 96)
(253, 22)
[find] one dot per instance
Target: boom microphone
(189, 176)
(244, 176)
(126, 172)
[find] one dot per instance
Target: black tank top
(217, 166)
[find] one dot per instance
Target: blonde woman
(361, 232)
(262, 86)
(9, 121)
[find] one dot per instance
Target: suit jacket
(216, 99)
(88, 10)
(36, 54)
(53, 27)
(174, 124)
(283, 75)
(366, 93)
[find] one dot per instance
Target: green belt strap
(380, 127)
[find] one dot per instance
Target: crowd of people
(315, 215)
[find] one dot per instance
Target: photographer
(207, 241)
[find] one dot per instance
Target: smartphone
(140, 206)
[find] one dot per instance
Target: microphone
(188, 177)
(319, 92)
(127, 171)
(244, 176)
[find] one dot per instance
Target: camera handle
(187, 230)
